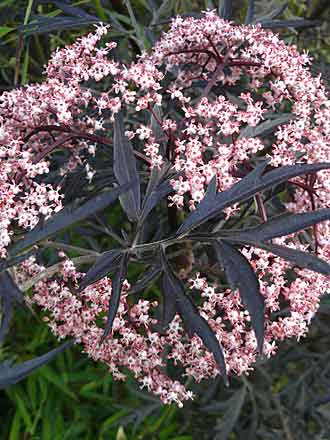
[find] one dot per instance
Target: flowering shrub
(222, 130)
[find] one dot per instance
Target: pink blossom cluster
(207, 131)
(183, 85)
(30, 118)
(135, 345)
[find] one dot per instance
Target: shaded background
(287, 397)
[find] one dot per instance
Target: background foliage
(73, 398)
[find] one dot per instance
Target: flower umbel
(202, 110)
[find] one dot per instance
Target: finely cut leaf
(9, 375)
(157, 130)
(208, 207)
(284, 225)
(151, 275)
(231, 415)
(274, 14)
(125, 169)
(294, 23)
(300, 258)
(117, 283)
(250, 185)
(241, 276)
(265, 128)
(67, 217)
(9, 295)
(194, 323)
(106, 263)
(159, 187)
(44, 25)
(71, 10)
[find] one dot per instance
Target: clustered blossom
(203, 134)
(133, 345)
(23, 200)
(210, 134)
(29, 116)
(136, 345)
(209, 138)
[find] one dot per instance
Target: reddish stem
(193, 51)
(159, 122)
(309, 188)
(51, 148)
(79, 135)
(219, 58)
(213, 80)
(243, 63)
(311, 196)
(303, 186)
(261, 208)
(44, 153)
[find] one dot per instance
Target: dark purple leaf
(226, 9)
(67, 217)
(193, 321)
(9, 295)
(70, 10)
(147, 278)
(284, 225)
(250, 12)
(117, 283)
(246, 188)
(159, 187)
(265, 128)
(9, 375)
(300, 258)
(125, 169)
(241, 276)
(42, 25)
(106, 263)
(297, 23)
(212, 203)
(230, 417)
(274, 14)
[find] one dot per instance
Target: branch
(74, 134)
(52, 270)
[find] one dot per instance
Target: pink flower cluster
(184, 85)
(29, 118)
(136, 345)
(207, 132)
